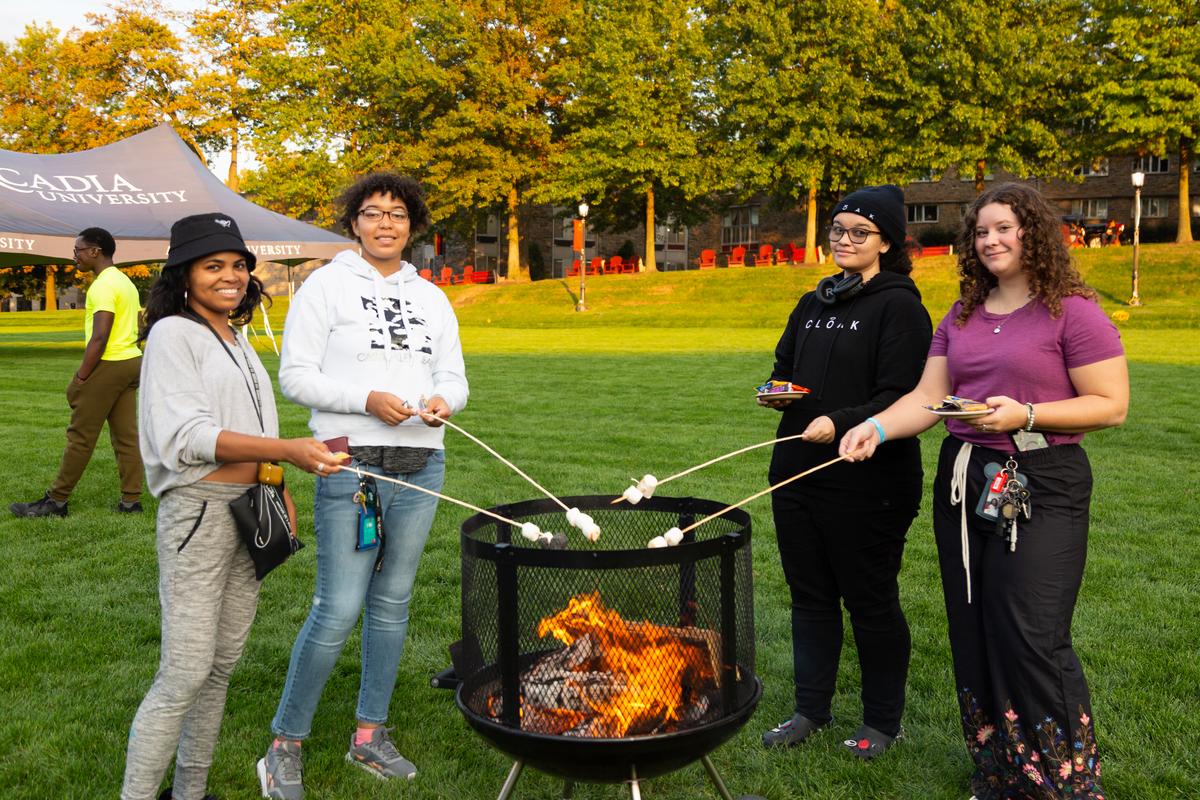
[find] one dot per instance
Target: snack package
(952, 403)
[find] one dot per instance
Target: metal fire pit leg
(635, 790)
(510, 782)
(715, 777)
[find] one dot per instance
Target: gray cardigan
(190, 391)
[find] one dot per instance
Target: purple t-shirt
(1027, 360)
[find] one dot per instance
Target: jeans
(346, 580)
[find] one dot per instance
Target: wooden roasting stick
(710, 462)
(364, 473)
(768, 490)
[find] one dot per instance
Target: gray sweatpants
(208, 593)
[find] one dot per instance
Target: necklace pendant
(996, 329)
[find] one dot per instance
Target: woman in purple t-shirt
(1028, 339)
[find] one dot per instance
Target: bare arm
(304, 453)
(1103, 402)
(102, 322)
(903, 418)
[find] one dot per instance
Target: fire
(626, 678)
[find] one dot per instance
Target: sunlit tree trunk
(810, 224)
(650, 264)
(1184, 232)
(231, 179)
(516, 271)
(51, 290)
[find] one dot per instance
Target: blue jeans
(346, 579)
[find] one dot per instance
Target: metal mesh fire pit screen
(597, 659)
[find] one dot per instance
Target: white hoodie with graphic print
(350, 331)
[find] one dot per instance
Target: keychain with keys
(1014, 505)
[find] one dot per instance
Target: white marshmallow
(591, 531)
(573, 516)
(632, 495)
(530, 531)
(673, 536)
(657, 541)
(647, 485)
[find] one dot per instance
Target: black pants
(1023, 697)
(847, 546)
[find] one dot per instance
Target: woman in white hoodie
(367, 345)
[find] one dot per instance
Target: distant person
(366, 346)
(208, 419)
(858, 343)
(104, 388)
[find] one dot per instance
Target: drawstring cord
(958, 496)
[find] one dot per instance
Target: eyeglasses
(84, 249)
(398, 215)
(857, 235)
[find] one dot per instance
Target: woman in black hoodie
(858, 343)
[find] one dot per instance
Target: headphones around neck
(836, 288)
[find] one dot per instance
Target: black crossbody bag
(260, 515)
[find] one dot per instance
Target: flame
(656, 670)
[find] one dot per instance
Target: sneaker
(129, 507)
(166, 795)
(281, 772)
(380, 757)
(793, 731)
(867, 742)
(45, 507)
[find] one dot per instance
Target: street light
(582, 305)
(1138, 178)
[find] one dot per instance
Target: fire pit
(607, 662)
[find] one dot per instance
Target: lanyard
(256, 392)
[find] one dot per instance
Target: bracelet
(1030, 416)
(878, 429)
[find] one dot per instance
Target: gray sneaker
(281, 773)
(380, 757)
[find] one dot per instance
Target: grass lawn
(583, 402)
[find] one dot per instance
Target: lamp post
(582, 304)
(1138, 178)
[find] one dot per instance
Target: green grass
(582, 402)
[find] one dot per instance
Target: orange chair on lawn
(573, 272)
(465, 277)
(737, 258)
(708, 259)
(783, 256)
(615, 265)
(596, 267)
(797, 254)
(763, 259)
(446, 278)
(426, 273)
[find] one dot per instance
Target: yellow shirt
(113, 291)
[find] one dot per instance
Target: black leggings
(842, 546)
(1022, 693)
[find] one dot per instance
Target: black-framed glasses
(85, 248)
(398, 215)
(857, 235)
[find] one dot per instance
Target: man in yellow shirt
(105, 386)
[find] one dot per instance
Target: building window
(740, 226)
(923, 213)
(488, 230)
(1090, 208)
(1152, 164)
(670, 236)
(1097, 169)
(1154, 207)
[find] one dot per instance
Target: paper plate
(781, 395)
(958, 414)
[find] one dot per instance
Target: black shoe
(129, 507)
(166, 795)
(45, 507)
(867, 742)
(793, 731)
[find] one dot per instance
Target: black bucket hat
(202, 234)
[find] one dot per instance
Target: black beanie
(883, 205)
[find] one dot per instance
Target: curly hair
(897, 259)
(1044, 255)
(168, 293)
(398, 187)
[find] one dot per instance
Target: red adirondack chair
(426, 273)
(446, 278)
(783, 256)
(737, 258)
(708, 259)
(596, 267)
(797, 254)
(763, 258)
(615, 265)
(467, 272)
(573, 272)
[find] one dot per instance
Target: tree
(809, 93)
(41, 113)
(1149, 97)
(636, 124)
